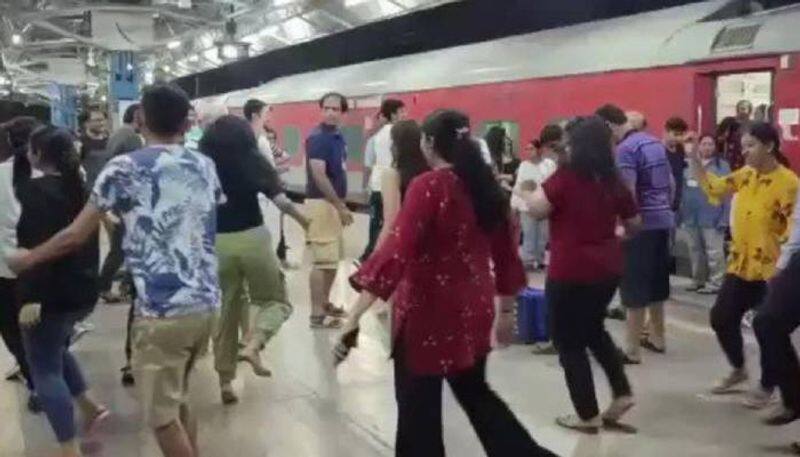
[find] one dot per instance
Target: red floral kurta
(444, 272)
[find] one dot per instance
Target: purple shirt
(643, 165)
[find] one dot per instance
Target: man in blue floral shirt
(166, 196)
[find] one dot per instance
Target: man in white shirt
(378, 158)
(257, 114)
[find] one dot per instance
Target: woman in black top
(244, 248)
(56, 295)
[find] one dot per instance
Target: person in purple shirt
(644, 166)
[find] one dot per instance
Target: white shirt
(529, 171)
(9, 215)
(266, 149)
(378, 156)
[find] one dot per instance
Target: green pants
(249, 274)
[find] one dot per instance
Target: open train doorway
(754, 87)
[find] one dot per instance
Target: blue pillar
(123, 81)
(64, 106)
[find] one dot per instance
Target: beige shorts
(164, 354)
(325, 234)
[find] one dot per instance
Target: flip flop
(334, 311)
(324, 322)
(91, 425)
(346, 343)
(616, 426)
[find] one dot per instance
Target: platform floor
(309, 410)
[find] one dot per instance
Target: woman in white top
(531, 174)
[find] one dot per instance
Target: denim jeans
(56, 373)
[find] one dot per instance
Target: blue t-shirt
(326, 143)
(167, 199)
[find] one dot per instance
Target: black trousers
(375, 223)
(419, 422)
(9, 326)
(735, 298)
(577, 313)
(775, 321)
(114, 259)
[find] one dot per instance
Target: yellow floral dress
(761, 217)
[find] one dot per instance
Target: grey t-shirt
(122, 141)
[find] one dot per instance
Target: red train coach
(683, 61)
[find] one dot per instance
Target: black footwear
(15, 375)
(627, 360)
(647, 344)
(127, 377)
(617, 314)
(781, 416)
(34, 406)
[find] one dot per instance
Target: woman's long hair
(230, 142)
(19, 134)
(766, 133)
(452, 141)
(56, 147)
(591, 154)
(407, 154)
(496, 141)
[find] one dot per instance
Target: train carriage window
(511, 128)
(354, 137)
(755, 87)
(291, 140)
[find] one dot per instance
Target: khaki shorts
(164, 354)
(325, 234)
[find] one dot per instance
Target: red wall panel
(659, 93)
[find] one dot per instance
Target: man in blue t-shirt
(167, 197)
(326, 188)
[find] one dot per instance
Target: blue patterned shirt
(167, 199)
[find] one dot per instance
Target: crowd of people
(455, 224)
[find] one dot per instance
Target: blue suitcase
(532, 325)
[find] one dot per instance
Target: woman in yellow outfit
(765, 196)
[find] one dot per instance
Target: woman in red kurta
(451, 252)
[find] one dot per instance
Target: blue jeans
(534, 240)
(56, 374)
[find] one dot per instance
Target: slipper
(616, 426)
(91, 425)
(346, 343)
(325, 322)
(334, 311)
(647, 344)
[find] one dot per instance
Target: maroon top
(444, 272)
(583, 245)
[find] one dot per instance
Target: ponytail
(452, 142)
(56, 146)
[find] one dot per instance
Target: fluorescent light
(229, 51)
(174, 44)
(167, 68)
(194, 58)
(16, 38)
(376, 83)
(149, 78)
(129, 67)
(103, 99)
(349, 3)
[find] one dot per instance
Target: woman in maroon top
(450, 253)
(584, 200)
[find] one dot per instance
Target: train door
(754, 87)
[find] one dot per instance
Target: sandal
(91, 425)
(346, 343)
(325, 322)
(650, 346)
(334, 311)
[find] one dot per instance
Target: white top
(9, 215)
(266, 149)
(529, 171)
(378, 156)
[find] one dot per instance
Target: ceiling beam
(66, 33)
